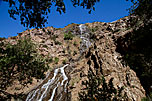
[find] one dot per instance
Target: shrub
(75, 43)
(94, 92)
(53, 37)
(45, 46)
(148, 98)
(20, 61)
(64, 61)
(50, 60)
(2, 38)
(57, 43)
(94, 29)
(68, 36)
(56, 60)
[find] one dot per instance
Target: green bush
(49, 60)
(64, 61)
(75, 43)
(57, 43)
(68, 36)
(56, 60)
(53, 37)
(20, 62)
(94, 29)
(94, 92)
(148, 98)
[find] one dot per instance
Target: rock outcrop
(100, 54)
(103, 59)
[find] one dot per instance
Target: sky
(105, 11)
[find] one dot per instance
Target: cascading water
(85, 38)
(54, 88)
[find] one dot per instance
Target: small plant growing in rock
(94, 29)
(74, 53)
(2, 38)
(57, 43)
(56, 60)
(54, 37)
(68, 36)
(63, 50)
(64, 61)
(45, 46)
(75, 43)
(49, 60)
(69, 51)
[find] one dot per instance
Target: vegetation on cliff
(136, 45)
(20, 61)
(138, 54)
(97, 89)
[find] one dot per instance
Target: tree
(20, 62)
(34, 13)
(138, 54)
(142, 9)
(96, 89)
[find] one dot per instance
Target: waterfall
(47, 91)
(85, 36)
(55, 88)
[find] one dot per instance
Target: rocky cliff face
(103, 59)
(92, 45)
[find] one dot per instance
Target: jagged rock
(101, 55)
(106, 64)
(103, 59)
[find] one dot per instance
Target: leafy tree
(34, 13)
(136, 45)
(94, 92)
(142, 9)
(20, 62)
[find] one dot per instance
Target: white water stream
(54, 89)
(85, 38)
(59, 79)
